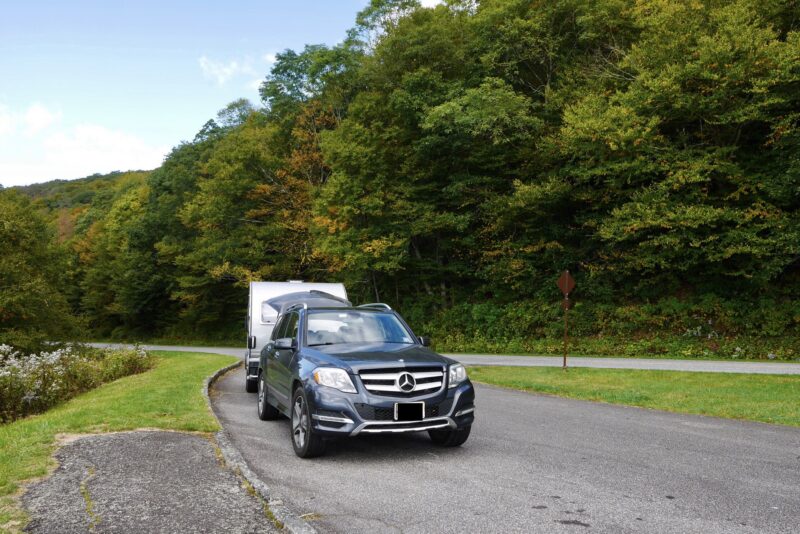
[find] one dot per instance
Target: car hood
(361, 356)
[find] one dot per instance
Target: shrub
(32, 383)
(702, 327)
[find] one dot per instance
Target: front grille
(399, 381)
(373, 413)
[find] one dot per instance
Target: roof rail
(380, 305)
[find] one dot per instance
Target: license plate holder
(409, 411)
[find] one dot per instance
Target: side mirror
(285, 343)
(425, 341)
(251, 342)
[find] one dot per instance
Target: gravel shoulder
(143, 481)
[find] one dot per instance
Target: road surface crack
(94, 519)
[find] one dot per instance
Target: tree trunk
(375, 287)
(425, 284)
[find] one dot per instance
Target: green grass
(622, 356)
(168, 397)
(180, 342)
(765, 398)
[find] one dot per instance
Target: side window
(291, 326)
(279, 328)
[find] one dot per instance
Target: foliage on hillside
(33, 305)
(452, 160)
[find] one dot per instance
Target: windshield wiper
(320, 344)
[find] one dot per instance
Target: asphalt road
(149, 481)
(535, 464)
(555, 361)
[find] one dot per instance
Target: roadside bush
(704, 327)
(740, 348)
(32, 383)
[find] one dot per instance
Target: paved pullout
(142, 482)
(534, 464)
(662, 364)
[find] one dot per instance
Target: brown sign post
(566, 284)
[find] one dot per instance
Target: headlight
(457, 375)
(334, 378)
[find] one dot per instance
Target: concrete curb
(291, 521)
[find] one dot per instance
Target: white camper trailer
(262, 313)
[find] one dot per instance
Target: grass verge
(620, 356)
(764, 398)
(167, 397)
(178, 342)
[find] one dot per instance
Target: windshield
(334, 327)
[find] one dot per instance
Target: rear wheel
(450, 438)
(266, 411)
(305, 441)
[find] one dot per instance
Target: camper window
(267, 312)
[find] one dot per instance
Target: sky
(91, 86)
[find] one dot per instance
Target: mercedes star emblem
(406, 382)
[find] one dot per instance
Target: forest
(451, 161)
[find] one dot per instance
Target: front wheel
(450, 438)
(266, 411)
(305, 441)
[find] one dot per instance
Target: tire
(266, 411)
(305, 442)
(250, 384)
(450, 438)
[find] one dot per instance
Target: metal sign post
(566, 284)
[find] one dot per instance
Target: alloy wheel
(299, 423)
(261, 394)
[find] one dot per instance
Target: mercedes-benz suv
(337, 370)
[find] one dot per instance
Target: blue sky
(93, 86)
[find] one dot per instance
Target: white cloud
(430, 3)
(33, 120)
(76, 152)
(270, 58)
(38, 118)
(222, 72)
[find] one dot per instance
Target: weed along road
(534, 464)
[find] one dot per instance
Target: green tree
(33, 310)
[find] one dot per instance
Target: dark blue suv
(337, 370)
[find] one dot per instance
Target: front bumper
(334, 413)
